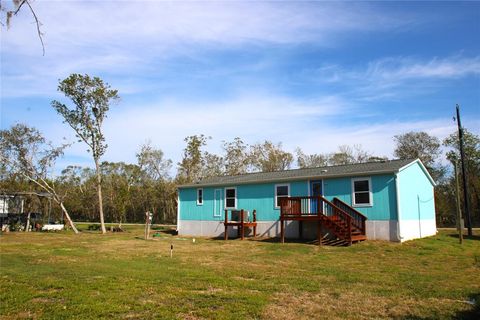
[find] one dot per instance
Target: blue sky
(310, 74)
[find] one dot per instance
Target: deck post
(282, 231)
(319, 232)
(349, 224)
(225, 236)
(254, 214)
(300, 229)
(242, 223)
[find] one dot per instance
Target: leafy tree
(472, 167)
(421, 145)
(24, 151)
(269, 157)
(91, 98)
(471, 148)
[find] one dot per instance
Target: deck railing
(316, 208)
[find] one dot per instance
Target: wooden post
(349, 224)
(300, 229)
(254, 213)
(282, 231)
(459, 210)
(319, 232)
(225, 236)
(242, 223)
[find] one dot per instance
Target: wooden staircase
(344, 222)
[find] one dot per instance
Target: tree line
(122, 192)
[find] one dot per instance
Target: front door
(315, 190)
(217, 203)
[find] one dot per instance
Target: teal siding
(262, 196)
(383, 192)
(416, 194)
(189, 210)
(249, 197)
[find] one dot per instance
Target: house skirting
(413, 229)
(376, 229)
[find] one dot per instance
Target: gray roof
(358, 169)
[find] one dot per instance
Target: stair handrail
(358, 218)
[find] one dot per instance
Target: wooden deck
(346, 223)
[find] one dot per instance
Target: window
(362, 192)
(281, 191)
(230, 198)
(199, 197)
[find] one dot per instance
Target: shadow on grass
(325, 241)
(473, 313)
(473, 237)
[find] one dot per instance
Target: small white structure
(53, 227)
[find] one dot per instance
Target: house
(393, 200)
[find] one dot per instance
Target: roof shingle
(308, 173)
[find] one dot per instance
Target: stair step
(359, 237)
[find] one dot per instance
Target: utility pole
(464, 176)
(459, 209)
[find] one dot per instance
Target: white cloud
(401, 69)
(167, 123)
(315, 126)
(388, 77)
(123, 37)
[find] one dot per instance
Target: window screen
(361, 192)
(230, 198)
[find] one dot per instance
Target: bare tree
(310, 160)
(14, 10)
(191, 167)
(268, 157)
(348, 155)
(24, 151)
(237, 159)
(152, 162)
(92, 98)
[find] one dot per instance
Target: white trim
(215, 203)
(370, 193)
(178, 212)
(275, 193)
(399, 211)
(423, 168)
(198, 202)
(225, 200)
(309, 182)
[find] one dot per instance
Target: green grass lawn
(122, 276)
